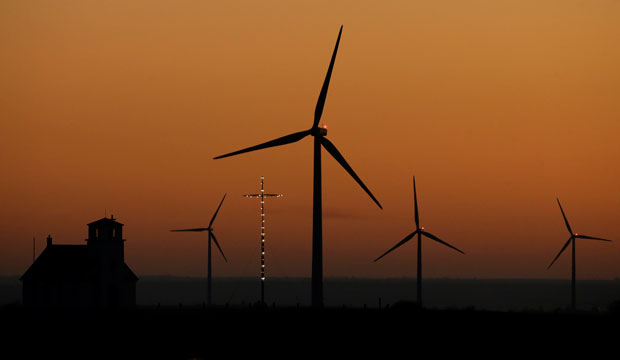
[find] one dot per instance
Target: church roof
(68, 262)
(106, 221)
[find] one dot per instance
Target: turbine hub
(320, 131)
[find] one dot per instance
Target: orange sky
(497, 107)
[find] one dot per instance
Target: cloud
(342, 214)
(333, 213)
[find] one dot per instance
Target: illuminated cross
(262, 197)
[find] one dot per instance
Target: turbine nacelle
(319, 131)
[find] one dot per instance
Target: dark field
(186, 333)
(482, 318)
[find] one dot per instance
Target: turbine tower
(571, 239)
(209, 229)
(262, 197)
(418, 231)
(320, 139)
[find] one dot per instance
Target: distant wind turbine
(319, 134)
(571, 239)
(211, 236)
(418, 231)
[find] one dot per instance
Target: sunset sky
(497, 108)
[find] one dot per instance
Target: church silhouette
(88, 276)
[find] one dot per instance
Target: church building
(88, 276)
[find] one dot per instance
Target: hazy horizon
(412, 277)
(484, 294)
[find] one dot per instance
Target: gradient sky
(497, 108)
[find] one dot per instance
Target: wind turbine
(571, 239)
(320, 139)
(211, 236)
(418, 231)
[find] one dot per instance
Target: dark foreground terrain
(220, 332)
(465, 319)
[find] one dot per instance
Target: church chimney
(49, 240)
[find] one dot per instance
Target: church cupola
(105, 239)
(105, 230)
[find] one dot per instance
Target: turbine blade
(565, 220)
(415, 209)
(407, 238)
(216, 211)
(427, 234)
(277, 142)
(561, 251)
(218, 245)
(336, 154)
(196, 229)
(318, 111)
(590, 237)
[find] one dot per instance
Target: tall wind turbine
(209, 229)
(320, 139)
(262, 197)
(571, 239)
(418, 231)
